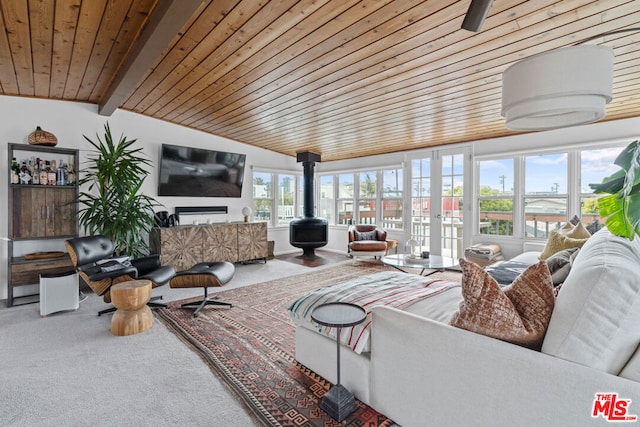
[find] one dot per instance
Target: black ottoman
(204, 275)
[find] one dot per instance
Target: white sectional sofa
(422, 371)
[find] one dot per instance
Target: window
(496, 193)
(452, 205)
(275, 196)
(286, 198)
(545, 199)
(594, 166)
(367, 196)
(326, 206)
(345, 198)
(549, 189)
(262, 195)
(300, 196)
(377, 202)
(421, 202)
(392, 199)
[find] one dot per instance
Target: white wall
(70, 121)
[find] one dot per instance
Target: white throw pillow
(597, 312)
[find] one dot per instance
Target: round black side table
(338, 402)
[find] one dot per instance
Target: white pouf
(59, 292)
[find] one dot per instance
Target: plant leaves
(621, 207)
(613, 208)
(634, 210)
(630, 165)
(611, 184)
(112, 204)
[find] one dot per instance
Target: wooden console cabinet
(184, 246)
(39, 212)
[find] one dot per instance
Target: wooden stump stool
(132, 315)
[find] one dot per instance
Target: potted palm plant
(111, 203)
(621, 205)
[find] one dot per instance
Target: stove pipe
(308, 166)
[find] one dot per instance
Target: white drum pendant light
(563, 87)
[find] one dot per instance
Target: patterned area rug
(251, 348)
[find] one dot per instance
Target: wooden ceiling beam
(167, 20)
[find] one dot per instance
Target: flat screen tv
(196, 172)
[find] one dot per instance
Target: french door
(437, 202)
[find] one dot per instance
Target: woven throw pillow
(518, 314)
(366, 235)
(558, 242)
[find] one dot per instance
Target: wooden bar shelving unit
(39, 212)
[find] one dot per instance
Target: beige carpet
(68, 370)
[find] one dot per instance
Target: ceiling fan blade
(477, 12)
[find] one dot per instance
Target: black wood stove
(308, 232)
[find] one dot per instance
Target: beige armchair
(367, 240)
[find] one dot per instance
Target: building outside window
(326, 202)
(262, 196)
(392, 199)
(286, 198)
(546, 197)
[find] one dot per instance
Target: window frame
(274, 221)
(355, 200)
(397, 225)
(574, 193)
(505, 195)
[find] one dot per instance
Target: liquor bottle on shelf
(25, 176)
(71, 175)
(30, 166)
(15, 172)
(44, 176)
(61, 174)
(35, 177)
(51, 173)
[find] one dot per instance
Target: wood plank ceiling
(343, 78)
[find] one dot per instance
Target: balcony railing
(537, 225)
(391, 219)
